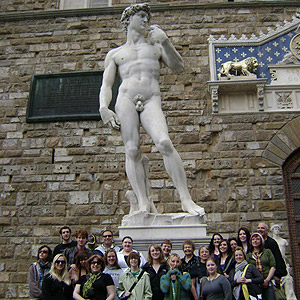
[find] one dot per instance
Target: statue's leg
(129, 120)
(154, 123)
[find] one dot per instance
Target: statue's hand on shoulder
(157, 35)
(108, 116)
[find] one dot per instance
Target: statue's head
(132, 10)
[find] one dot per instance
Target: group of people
(246, 267)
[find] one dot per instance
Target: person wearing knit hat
(264, 261)
(271, 244)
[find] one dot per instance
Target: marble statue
(286, 282)
(139, 102)
(243, 68)
(282, 243)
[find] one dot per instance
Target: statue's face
(139, 21)
(276, 230)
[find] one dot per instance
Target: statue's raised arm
(170, 56)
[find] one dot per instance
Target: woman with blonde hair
(57, 283)
(244, 278)
(174, 284)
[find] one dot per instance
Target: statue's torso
(139, 69)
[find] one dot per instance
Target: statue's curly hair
(132, 10)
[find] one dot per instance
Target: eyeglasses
(95, 262)
(43, 251)
(60, 262)
(107, 235)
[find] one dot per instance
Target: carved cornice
(49, 14)
(253, 39)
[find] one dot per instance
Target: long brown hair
(161, 255)
(116, 264)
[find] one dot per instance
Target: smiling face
(154, 253)
(60, 264)
(65, 234)
(127, 245)
(107, 239)
(211, 267)
(239, 256)
(204, 254)
(242, 236)
(134, 262)
(262, 228)
(216, 240)
(81, 241)
(223, 247)
(188, 250)
(166, 248)
(111, 258)
(174, 261)
(233, 245)
(256, 241)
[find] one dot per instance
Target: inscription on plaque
(66, 96)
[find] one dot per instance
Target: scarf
(256, 256)
(43, 269)
(174, 292)
(239, 268)
(88, 285)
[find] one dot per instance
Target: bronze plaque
(68, 96)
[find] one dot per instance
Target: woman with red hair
(264, 261)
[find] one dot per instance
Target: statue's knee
(165, 147)
(132, 151)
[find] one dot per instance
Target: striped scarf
(256, 256)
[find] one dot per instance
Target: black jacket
(52, 289)
(155, 279)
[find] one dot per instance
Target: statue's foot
(145, 208)
(192, 208)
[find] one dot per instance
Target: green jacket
(142, 290)
(183, 281)
(267, 261)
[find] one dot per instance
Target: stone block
(61, 169)
(4, 277)
(79, 197)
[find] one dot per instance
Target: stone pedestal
(149, 228)
(162, 226)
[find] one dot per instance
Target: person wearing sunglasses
(107, 239)
(37, 271)
(96, 285)
(57, 283)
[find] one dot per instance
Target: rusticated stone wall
(72, 173)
